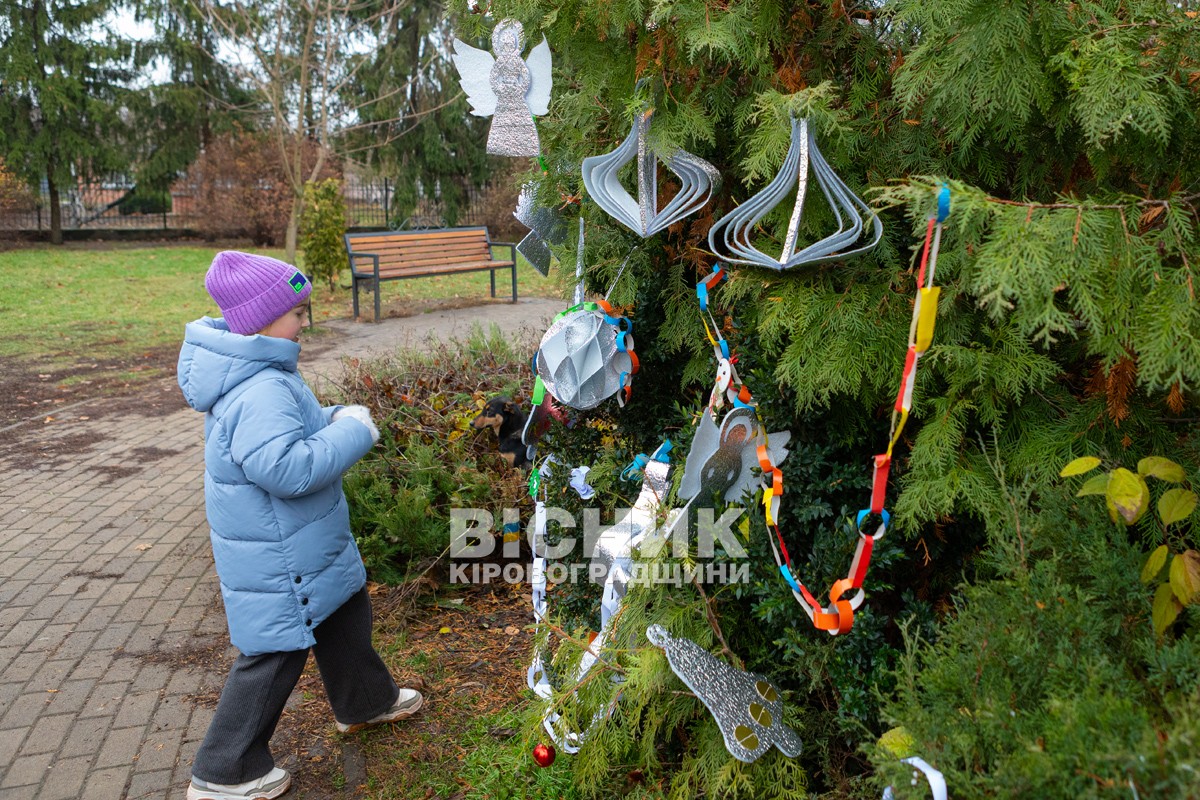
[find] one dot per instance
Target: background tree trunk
(56, 233)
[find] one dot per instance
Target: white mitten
(361, 414)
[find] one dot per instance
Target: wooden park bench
(393, 255)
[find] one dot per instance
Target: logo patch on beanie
(297, 282)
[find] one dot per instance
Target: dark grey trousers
(235, 749)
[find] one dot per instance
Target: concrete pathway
(112, 636)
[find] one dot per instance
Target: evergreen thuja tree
(64, 78)
(1068, 324)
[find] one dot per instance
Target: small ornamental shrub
(145, 201)
(429, 459)
(1057, 677)
(322, 225)
(241, 189)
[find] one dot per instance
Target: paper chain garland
(838, 616)
(729, 237)
(937, 782)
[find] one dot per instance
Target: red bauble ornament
(544, 755)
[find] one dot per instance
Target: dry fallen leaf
(512, 630)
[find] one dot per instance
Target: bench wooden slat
(415, 256)
(412, 254)
(440, 270)
(367, 266)
(359, 241)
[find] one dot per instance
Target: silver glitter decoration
(579, 287)
(747, 706)
(506, 88)
(722, 460)
(730, 236)
(614, 548)
(546, 228)
(697, 179)
(578, 359)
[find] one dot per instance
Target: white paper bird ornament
(510, 90)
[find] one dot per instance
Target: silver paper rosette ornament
(586, 356)
(697, 179)
(858, 231)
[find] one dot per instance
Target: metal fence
(98, 206)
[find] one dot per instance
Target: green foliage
(145, 201)
(1048, 681)
(1127, 498)
(65, 79)
(322, 226)
(418, 130)
(429, 459)
(1067, 326)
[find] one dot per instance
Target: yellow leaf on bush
(1175, 505)
(1094, 485)
(1162, 468)
(1079, 466)
(899, 742)
(1127, 495)
(1185, 576)
(1154, 564)
(1165, 609)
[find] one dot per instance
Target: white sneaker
(408, 703)
(269, 786)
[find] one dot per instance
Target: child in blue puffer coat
(290, 572)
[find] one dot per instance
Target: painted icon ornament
(747, 706)
(510, 90)
(697, 180)
(722, 459)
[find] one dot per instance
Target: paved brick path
(112, 636)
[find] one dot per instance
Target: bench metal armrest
(512, 249)
(373, 256)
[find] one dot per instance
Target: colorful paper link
(838, 616)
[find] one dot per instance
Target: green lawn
(115, 301)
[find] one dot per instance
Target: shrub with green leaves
(1049, 680)
(1127, 497)
(429, 459)
(322, 226)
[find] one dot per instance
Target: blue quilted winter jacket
(273, 465)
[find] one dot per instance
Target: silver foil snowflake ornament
(510, 90)
(747, 706)
(546, 227)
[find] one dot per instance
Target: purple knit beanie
(254, 291)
